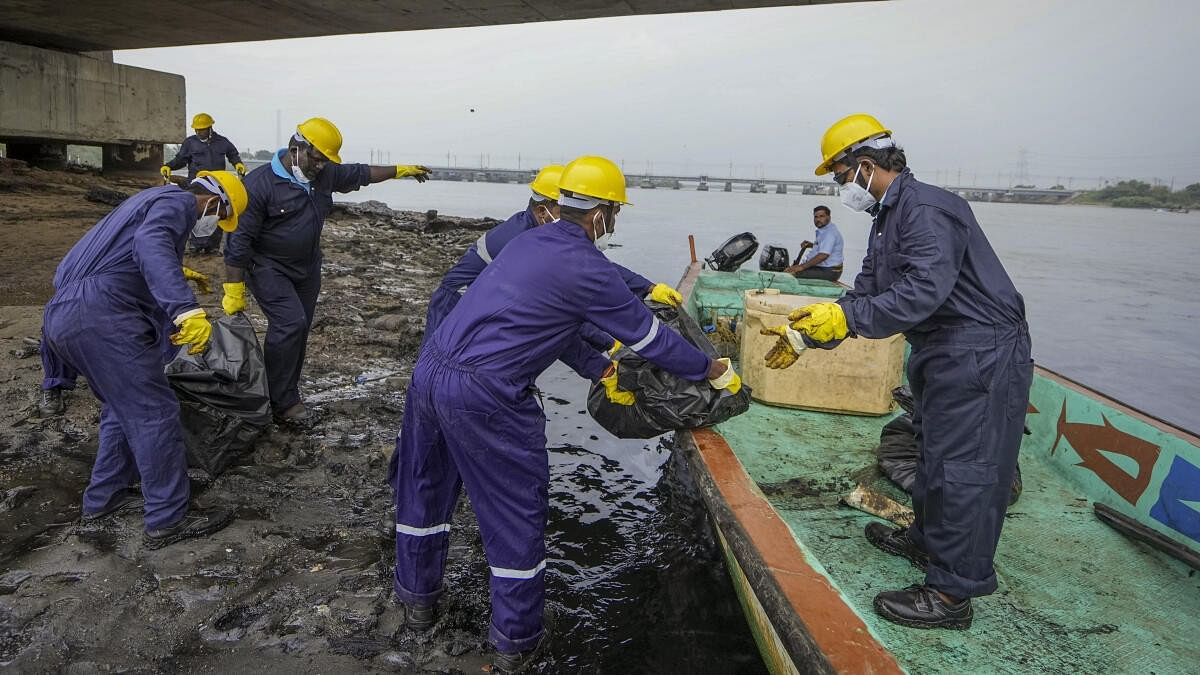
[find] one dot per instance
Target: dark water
(636, 580)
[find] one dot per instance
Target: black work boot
(418, 617)
(298, 417)
(124, 500)
(195, 523)
(895, 540)
(52, 403)
(517, 662)
(923, 607)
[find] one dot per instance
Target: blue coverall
(931, 274)
(278, 244)
(55, 373)
(482, 252)
(197, 156)
(472, 419)
(116, 294)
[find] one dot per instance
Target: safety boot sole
(213, 520)
(120, 504)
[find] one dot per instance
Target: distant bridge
(751, 184)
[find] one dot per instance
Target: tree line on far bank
(1135, 194)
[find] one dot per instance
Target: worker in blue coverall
(931, 274)
(542, 209)
(276, 250)
(472, 419)
(205, 150)
(114, 292)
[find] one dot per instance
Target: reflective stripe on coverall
(931, 274)
(471, 417)
(116, 292)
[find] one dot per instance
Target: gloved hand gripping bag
(664, 402)
(223, 399)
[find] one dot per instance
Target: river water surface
(1112, 295)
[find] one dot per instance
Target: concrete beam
(56, 96)
(91, 25)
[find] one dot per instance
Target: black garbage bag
(897, 452)
(664, 402)
(222, 393)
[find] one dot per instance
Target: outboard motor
(773, 258)
(736, 250)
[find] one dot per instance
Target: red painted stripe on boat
(835, 628)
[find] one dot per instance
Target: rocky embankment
(301, 582)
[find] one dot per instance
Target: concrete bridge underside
(59, 86)
(97, 25)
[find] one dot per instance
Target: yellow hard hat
(545, 183)
(595, 177)
(845, 133)
(202, 121)
(323, 136)
(235, 191)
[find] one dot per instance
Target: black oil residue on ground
(301, 582)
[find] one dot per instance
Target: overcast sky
(1089, 88)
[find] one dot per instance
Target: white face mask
(296, 170)
(856, 197)
(206, 224)
(602, 240)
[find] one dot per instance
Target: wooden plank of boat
(803, 612)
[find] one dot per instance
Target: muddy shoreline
(301, 581)
(303, 576)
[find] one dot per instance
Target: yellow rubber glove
(201, 280)
(728, 380)
(618, 396)
(666, 295)
(240, 168)
(822, 322)
(235, 297)
(166, 172)
(786, 350)
(194, 330)
(421, 173)
(616, 346)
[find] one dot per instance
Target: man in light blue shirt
(822, 260)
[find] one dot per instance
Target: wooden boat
(1075, 596)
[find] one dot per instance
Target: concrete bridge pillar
(729, 186)
(53, 98)
(781, 189)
